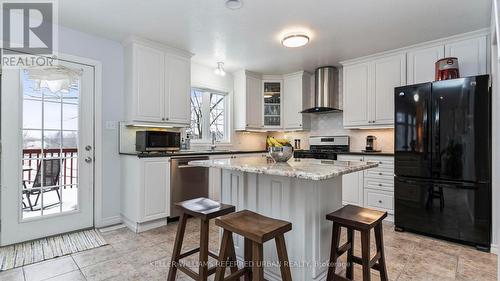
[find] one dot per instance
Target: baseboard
(145, 226)
(494, 249)
(109, 221)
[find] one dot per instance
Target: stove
(325, 147)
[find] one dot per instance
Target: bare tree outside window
(208, 114)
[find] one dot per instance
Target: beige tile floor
(145, 257)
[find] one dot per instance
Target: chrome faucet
(214, 138)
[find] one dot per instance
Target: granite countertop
(310, 169)
(189, 153)
(381, 153)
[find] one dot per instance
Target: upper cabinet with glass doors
(157, 83)
(272, 91)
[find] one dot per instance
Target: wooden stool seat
(253, 226)
(256, 229)
(204, 208)
(363, 220)
(357, 217)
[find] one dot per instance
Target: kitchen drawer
(380, 200)
(382, 173)
(383, 161)
(378, 183)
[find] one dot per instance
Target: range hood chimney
(326, 92)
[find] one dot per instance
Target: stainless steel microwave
(157, 141)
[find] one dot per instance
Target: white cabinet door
(292, 102)
(149, 77)
(177, 108)
(254, 103)
(421, 63)
(471, 54)
(389, 72)
(352, 184)
(356, 91)
(155, 201)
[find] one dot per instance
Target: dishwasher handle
(186, 166)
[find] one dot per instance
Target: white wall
(110, 54)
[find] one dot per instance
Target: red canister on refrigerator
(447, 68)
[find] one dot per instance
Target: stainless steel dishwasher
(186, 182)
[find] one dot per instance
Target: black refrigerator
(442, 184)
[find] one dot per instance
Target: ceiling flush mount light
(220, 69)
(295, 40)
(234, 4)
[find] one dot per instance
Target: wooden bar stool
(256, 229)
(204, 209)
(363, 220)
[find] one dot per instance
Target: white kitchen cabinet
(369, 82)
(157, 83)
(471, 54)
(372, 188)
(356, 94)
(389, 72)
(352, 184)
(295, 87)
(145, 196)
(422, 63)
(149, 90)
(272, 98)
(369, 91)
(178, 89)
(248, 107)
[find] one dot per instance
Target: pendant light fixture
(220, 69)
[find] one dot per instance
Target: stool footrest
(373, 262)
(189, 252)
(182, 267)
(237, 274)
(342, 249)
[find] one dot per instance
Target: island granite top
(310, 169)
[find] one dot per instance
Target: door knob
(88, 159)
(88, 147)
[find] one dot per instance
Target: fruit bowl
(281, 154)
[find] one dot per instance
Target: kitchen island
(299, 191)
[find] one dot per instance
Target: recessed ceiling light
(234, 4)
(295, 40)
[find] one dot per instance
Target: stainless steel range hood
(326, 92)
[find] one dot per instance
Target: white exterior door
(48, 152)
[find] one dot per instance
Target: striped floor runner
(48, 248)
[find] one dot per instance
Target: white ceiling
(250, 37)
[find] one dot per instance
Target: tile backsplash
(331, 124)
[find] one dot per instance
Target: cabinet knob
(380, 201)
(380, 162)
(373, 121)
(167, 119)
(379, 184)
(380, 174)
(300, 125)
(360, 159)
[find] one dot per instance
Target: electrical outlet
(110, 125)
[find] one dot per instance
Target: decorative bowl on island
(280, 150)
